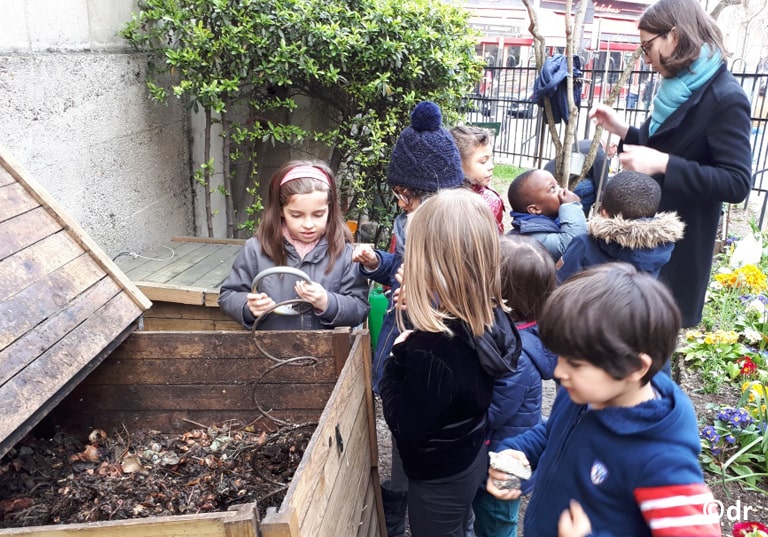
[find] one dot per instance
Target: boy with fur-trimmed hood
(627, 229)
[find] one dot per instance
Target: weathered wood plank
(243, 343)
(15, 200)
(220, 273)
(147, 269)
(240, 522)
(30, 346)
(168, 316)
(346, 503)
(132, 397)
(193, 325)
(185, 311)
(23, 268)
(56, 212)
(316, 473)
(25, 229)
(215, 372)
(33, 392)
(164, 292)
(47, 297)
(368, 521)
(74, 421)
(281, 524)
(349, 409)
(182, 263)
(200, 274)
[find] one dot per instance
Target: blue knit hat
(425, 156)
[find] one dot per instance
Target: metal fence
(503, 102)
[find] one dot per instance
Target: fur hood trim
(637, 233)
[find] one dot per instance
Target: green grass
(506, 172)
(503, 174)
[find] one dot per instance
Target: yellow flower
(747, 276)
(691, 335)
(721, 336)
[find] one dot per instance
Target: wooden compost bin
(158, 379)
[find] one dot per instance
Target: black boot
(395, 507)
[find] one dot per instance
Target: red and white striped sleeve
(679, 510)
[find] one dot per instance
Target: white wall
(74, 111)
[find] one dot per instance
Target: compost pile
(122, 475)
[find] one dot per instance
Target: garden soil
(60, 479)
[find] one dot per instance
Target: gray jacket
(347, 288)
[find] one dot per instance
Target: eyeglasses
(645, 45)
(401, 194)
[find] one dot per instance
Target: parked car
(521, 104)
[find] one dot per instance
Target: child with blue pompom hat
(425, 159)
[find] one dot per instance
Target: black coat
(710, 162)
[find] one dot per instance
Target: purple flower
(710, 434)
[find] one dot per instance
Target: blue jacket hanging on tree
(552, 83)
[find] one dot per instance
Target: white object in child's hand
(505, 462)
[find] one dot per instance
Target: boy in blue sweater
(619, 454)
(545, 211)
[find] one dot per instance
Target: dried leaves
(146, 473)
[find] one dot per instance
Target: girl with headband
(301, 227)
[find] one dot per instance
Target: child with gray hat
(425, 159)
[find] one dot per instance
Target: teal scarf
(676, 90)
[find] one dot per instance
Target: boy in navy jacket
(627, 229)
(545, 211)
(619, 454)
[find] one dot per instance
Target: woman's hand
(314, 293)
(574, 522)
(607, 118)
(643, 159)
(258, 303)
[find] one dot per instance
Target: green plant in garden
(354, 68)
(730, 347)
(735, 445)
(716, 355)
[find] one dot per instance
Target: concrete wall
(74, 111)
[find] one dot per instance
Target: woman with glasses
(696, 141)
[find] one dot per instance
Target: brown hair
(692, 26)
(270, 230)
(468, 138)
(528, 276)
(608, 315)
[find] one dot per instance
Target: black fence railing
(503, 102)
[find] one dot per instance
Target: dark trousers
(442, 507)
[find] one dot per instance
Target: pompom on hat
(425, 156)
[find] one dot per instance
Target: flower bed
(723, 366)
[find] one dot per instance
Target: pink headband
(306, 172)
